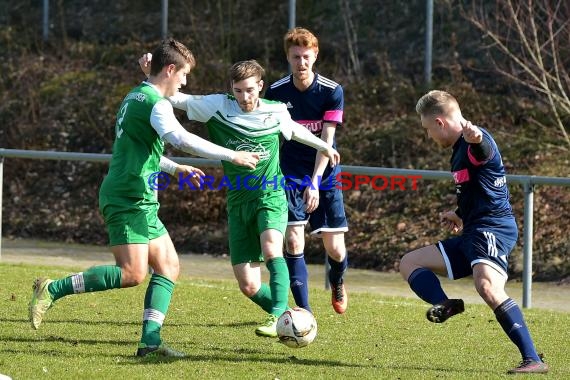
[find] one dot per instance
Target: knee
(249, 289)
(293, 243)
(337, 253)
(486, 291)
(169, 267)
(132, 277)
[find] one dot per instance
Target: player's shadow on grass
(126, 354)
(76, 320)
(114, 322)
(223, 324)
(69, 341)
(211, 354)
(241, 358)
(65, 352)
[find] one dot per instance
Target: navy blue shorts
(329, 215)
(488, 244)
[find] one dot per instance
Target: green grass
(95, 335)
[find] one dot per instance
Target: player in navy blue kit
(485, 217)
(317, 103)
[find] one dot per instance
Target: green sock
(156, 302)
(279, 285)
(94, 279)
(263, 298)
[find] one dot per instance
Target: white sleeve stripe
(325, 79)
(281, 81)
(327, 82)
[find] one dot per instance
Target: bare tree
(351, 38)
(535, 37)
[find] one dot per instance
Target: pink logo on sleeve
(461, 176)
(334, 116)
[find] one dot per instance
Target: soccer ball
(296, 327)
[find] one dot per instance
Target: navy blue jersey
(322, 102)
(481, 187)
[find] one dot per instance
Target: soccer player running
(317, 103)
(256, 201)
(485, 217)
(129, 204)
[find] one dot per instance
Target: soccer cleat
(441, 312)
(41, 301)
(339, 298)
(268, 328)
(158, 351)
(530, 366)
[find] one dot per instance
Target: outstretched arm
(304, 136)
(170, 130)
(190, 143)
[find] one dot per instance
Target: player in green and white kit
(129, 204)
(256, 202)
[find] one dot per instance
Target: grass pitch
(94, 336)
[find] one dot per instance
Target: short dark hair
(171, 51)
(246, 69)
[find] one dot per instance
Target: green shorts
(130, 221)
(247, 220)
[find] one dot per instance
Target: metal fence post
(164, 19)
(292, 20)
(527, 243)
(45, 26)
(292, 14)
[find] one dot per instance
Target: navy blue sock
(511, 319)
(299, 278)
(337, 269)
(427, 286)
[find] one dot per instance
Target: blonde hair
(436, 102)
(300, 37)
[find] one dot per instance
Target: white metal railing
(527, 181)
